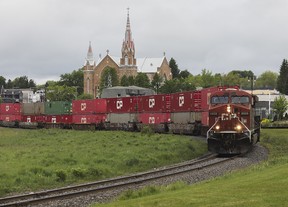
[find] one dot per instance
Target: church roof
(144, 65)
(149, 65)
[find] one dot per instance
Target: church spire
(128, 49)
(90, 58)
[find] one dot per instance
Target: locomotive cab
(233, 128)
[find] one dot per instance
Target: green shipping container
(58, 107)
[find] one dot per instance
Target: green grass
(262, 185)
(31, 160)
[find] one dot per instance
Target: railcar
(233, 125)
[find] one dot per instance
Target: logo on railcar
(152, 120)
(83, 106)
(151, 102)
(119, 104)
(181, 101)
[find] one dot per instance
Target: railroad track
(88, 188)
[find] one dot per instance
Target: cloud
(48, 38)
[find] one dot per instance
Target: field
(261, 185)
(31, 160)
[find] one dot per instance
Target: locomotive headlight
(228, 109)
(238, 127)
(217, 127)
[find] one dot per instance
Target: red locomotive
(227, 115)
(234, 127)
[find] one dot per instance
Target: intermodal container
(154, 118)
(90, 106)
(120, 118)
(10, 117)
(58, 107)
(182, 102)
(58, 119)
(33, 108)
(10, 108)
(156, 103)
(124, 105)
(186, 117)
(89, 118)
(33, 118)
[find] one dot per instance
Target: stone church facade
(127, 65)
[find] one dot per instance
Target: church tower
(89, 71)
(128, 48)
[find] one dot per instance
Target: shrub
(147, 130)
(132, 162)
(78, 172)
(60, 176)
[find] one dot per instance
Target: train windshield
(240, 99)
(219, 100)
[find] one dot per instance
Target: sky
(43, 39)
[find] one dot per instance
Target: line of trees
(19, 82)
(182, 80)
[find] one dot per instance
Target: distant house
(266, 98)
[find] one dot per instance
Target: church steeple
(90, 58)
(128, 48)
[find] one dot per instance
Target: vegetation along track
(78, 190)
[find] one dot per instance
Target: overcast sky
(43, 39)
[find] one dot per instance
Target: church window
(126, 60)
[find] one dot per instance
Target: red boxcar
(10, 108)
(90, 106)
(124, 105)
(156, 103)
(154, 118)
(89, 118)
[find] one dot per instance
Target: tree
(9, 84)
(74, 79)
(85, 96)
(177, 85)
(31, 84)
(131, 80)
(280, 106)
(156, 82)
(170, 86)
(267, 80)
(174, 68)
(2, 81)
(142, 80)
(231, 79)
(124, 81)
(60, 93)
(282, 80)
(21, 82)
(243, 73)
(109, 78)
(184, 74)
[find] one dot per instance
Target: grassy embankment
(36, 159)
(261, 185)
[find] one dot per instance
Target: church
(127, 64)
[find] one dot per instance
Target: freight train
(194, 112)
